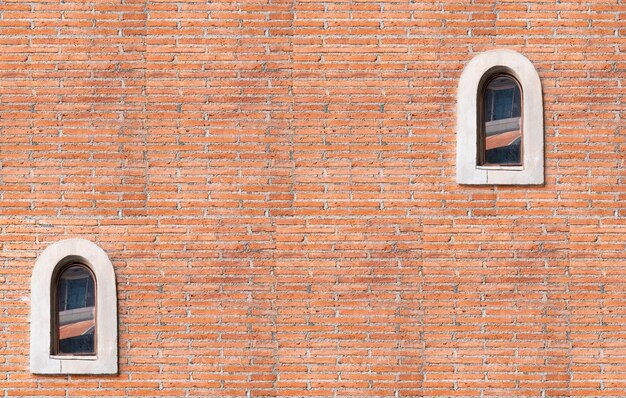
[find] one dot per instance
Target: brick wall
(274, 183)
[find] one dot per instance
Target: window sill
(496, 167)
(75, 357)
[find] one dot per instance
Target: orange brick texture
(274, 182)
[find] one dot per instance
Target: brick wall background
(274, 183)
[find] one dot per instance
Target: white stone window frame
(473, 79)
(49, 262)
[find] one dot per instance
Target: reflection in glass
(502, 133)
(75, 311)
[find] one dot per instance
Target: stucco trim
(475, 73)
(92, 256)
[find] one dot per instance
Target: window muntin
(75, 311)
(500, 122)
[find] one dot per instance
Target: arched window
(73, 310)
(500, 137)
(74, 317)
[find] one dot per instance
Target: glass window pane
(75, 311)
(502, 115)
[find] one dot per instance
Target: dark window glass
(501, 122)
(75, 311)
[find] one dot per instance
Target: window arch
(73, 310)
(500, 138)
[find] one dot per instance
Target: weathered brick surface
(274, 183)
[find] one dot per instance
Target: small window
(73, 319)
(500, 138)
(501, 133)
(75, 315)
